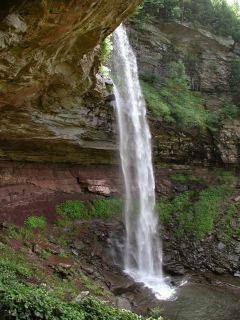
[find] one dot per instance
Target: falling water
(143, 254)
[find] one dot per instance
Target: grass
(90, 284)
(18, 233)
(24, 300)
(178, 177)
(63, 223)
(35, 222)
(98, 209)
(194, 212)
(176, 104)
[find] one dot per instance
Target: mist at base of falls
(143, 252)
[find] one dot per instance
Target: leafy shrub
(165, 211)
(231, 209)
(35, 222)
(99, 208)
(203, 220)
(72, 209)
(234, 80)
(106, 47)
(14, 262)
(217, 16)
(175, 102)
(17, 301)
(106, 207)
(150, 78)
(227, 111)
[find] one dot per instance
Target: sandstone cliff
(49, 59)
(54, 106)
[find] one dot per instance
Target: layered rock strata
(49, 59)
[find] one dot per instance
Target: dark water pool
(201, 301)
(197, 301)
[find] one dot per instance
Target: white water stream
(143, 253)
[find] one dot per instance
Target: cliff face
(54, 106)
(207, 59)
(49, 58)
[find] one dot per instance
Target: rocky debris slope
(81, 259)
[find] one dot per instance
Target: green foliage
(178, 204)
(195, 216)
(17, 301)
(62, 241)
(227, 111)
(165, 211)
(106, 207)
(175, 102)
(106, 47)
(18, 233)
(63, 223)
(215, 15)
(226, 177)
(35, 222)
(178, 177)
(150, 78)
(14, 262)
(99, 208)
(44, 254)
(72, 209)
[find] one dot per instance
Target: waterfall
(143, 253)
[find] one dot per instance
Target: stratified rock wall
(49, 59)
(205, 56)
(207, 59)
(54, 106)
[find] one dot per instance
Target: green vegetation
(180, 177)
(35, 222)
(18, 301)
(106, 207)
(63, 223)
(194, 212)
(24, 300)
(98, 208)
(18, 233)
(174, 101)
(62, 241)
(216, 16)
(176, 104)
(227, 111)
(106, 47)
(72, 209)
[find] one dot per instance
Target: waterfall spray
(143, 254)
